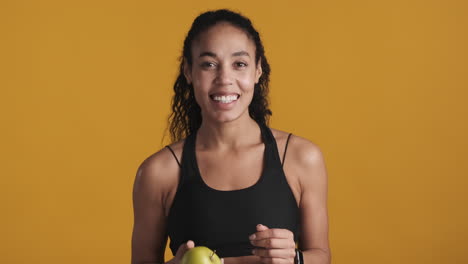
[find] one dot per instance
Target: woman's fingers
(184, 248)
(275, 253)
(263, 233)
(266, 260)
(272, 238)
(274, 243)
(190, 244)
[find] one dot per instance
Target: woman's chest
(230, 171)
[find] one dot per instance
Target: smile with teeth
(225, 99)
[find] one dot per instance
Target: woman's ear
(258, 70)
(187, 72)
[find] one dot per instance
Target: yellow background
(380, 86)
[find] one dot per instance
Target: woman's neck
(229, 135)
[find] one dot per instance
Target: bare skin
(228, 133)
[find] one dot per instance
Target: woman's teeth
(225, 99)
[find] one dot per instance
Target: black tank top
(223, 220)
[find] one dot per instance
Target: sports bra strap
(286, 148)
(173, 154)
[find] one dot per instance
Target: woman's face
(223, 72)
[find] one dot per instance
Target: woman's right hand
(181, 251)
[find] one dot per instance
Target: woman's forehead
(223, 38)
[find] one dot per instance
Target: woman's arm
(153, 191)
(311, 171)
(148, 237)
(307, 177)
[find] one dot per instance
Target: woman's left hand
(275, 245)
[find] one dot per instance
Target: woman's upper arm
(312, 176)
(149, 230)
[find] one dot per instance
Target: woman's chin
(224, 118)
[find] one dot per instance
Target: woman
(225, 183)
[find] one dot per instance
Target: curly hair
(186, 116)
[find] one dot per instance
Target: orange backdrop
(380, 86)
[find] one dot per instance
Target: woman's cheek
(246, 83)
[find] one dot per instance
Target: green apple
(200, 255)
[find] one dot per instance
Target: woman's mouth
(225, 99)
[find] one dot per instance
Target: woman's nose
(224, 76)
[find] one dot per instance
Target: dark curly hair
(186, 115)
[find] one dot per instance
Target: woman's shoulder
(160, 170)
(303, 165)
(301, 150)
(163, 157)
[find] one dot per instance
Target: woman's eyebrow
(207, 53)
(235, 54)
(241, 53)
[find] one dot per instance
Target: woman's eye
(208, 64)
(241, 64)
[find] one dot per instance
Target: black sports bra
(223, 220)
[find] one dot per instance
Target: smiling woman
(223, 183)
(223, 71)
